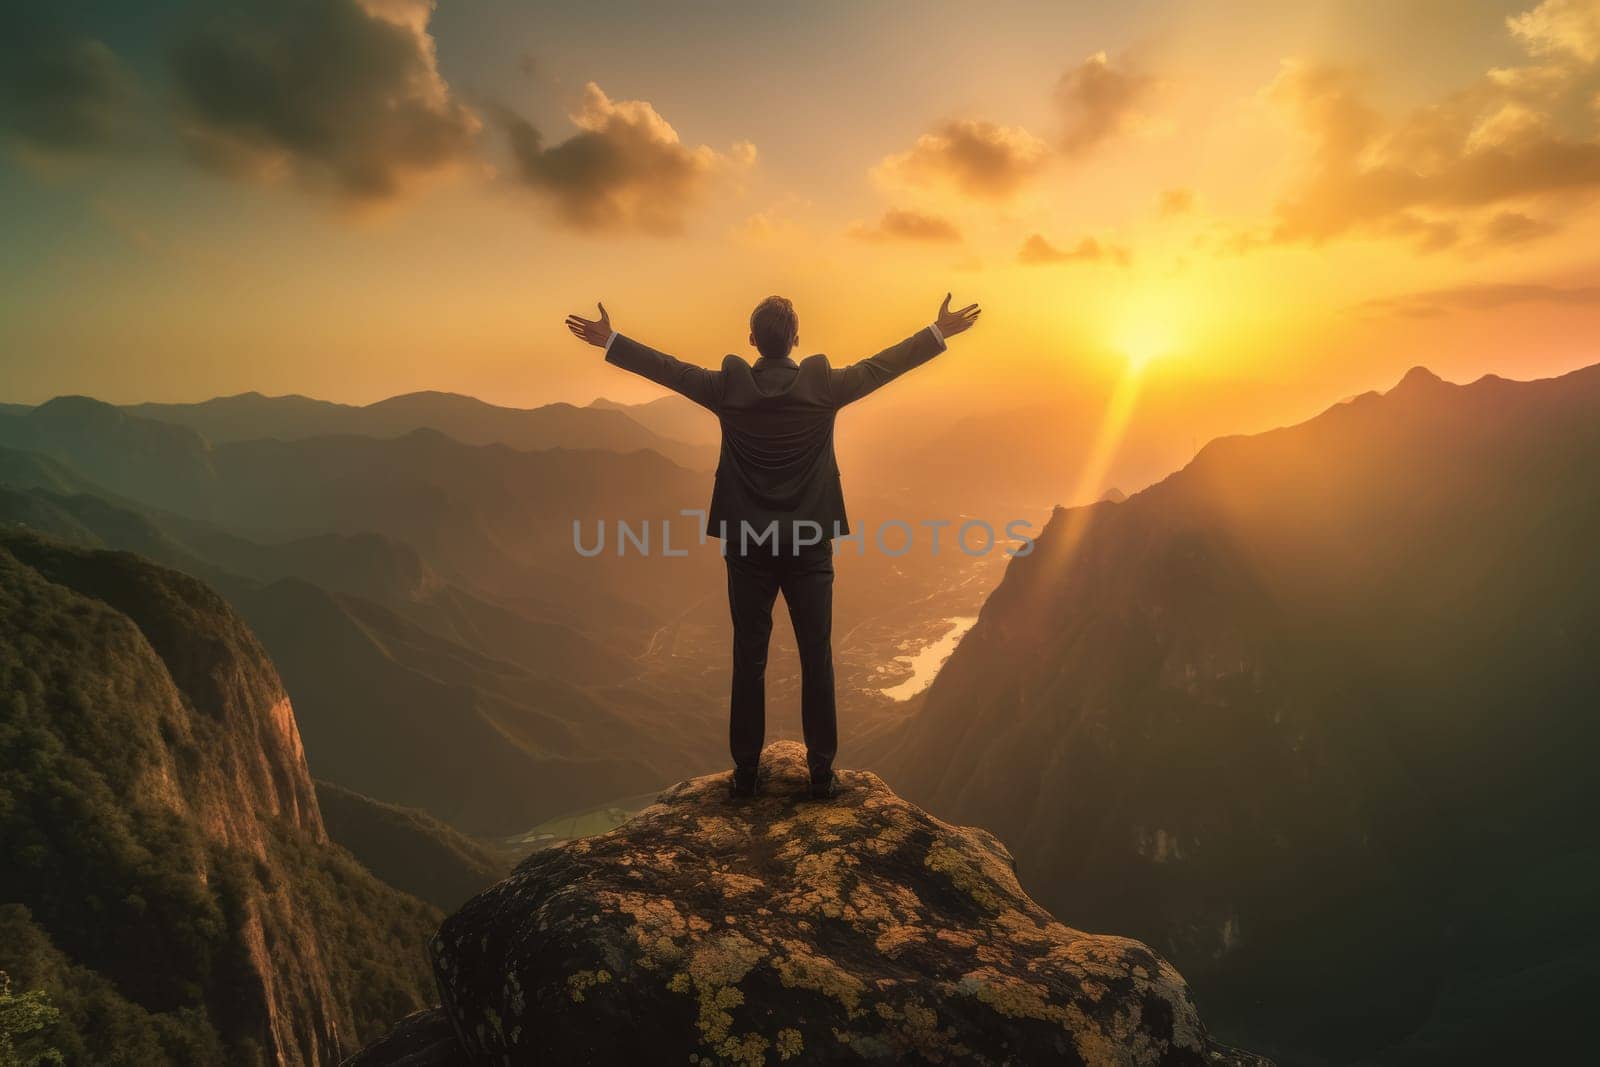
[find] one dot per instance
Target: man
(777, 503)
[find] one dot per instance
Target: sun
(1150, 324)
(1143, 341)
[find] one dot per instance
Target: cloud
(1471, 169)
(1560, 27)
(338, 94)
(977, 158)
(1513, 227)
(625, 169)
(1036, 251)
(783, 222)
(1098, 101)
(766, 226)
(1174, 202)
(900, 225)
(1481, 298)
(60, 90)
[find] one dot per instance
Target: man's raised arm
(848, 384)
(702, 386)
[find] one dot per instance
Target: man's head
(774, 327)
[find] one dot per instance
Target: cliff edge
(781, 930)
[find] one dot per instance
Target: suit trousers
(805, 577)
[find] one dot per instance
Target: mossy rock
(709, 930)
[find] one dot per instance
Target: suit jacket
(777, 417)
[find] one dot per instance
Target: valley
(1319, 682)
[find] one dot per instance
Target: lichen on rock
(780, 930)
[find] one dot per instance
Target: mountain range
(252, 416)
(1320, 704)
(420, 589)
(1310, 716)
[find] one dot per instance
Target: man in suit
(777, 503)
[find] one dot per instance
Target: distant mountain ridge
(1326, 694)
(491, 517)
(670, 416)
(248, 416)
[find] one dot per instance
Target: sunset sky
(1269, 206)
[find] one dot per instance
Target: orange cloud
(900, 225)
(977, 158)
(1560, 27)
(1173, 202)
(1036, 251)
(625, 169)
(1098, 101)
(1475, 169)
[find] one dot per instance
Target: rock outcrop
(781, 930)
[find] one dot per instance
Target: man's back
(777, 463)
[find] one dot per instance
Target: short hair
(775, 326)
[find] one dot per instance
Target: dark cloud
(1036, 251)
(977, 158)
(335, 93)
(625, 169)
(1481, 298)
(1098, 100)
(60, 90)
(900, 225)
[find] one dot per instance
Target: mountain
(395, 712)
(169, 881)
(369, 566)
(409, 849)
(161, 464)
(428, 592)
(671, 416)
(859, 930)
(493, 519)
(493, 743)
(1320, 703)
(464, 418)
(30, 470)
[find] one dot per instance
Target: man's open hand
(950, 322)
(598, 331)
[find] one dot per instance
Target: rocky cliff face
(162, 832)
(781, 930)
(220, 673)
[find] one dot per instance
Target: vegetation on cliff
(169, 883)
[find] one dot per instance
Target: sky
(1253, 208)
